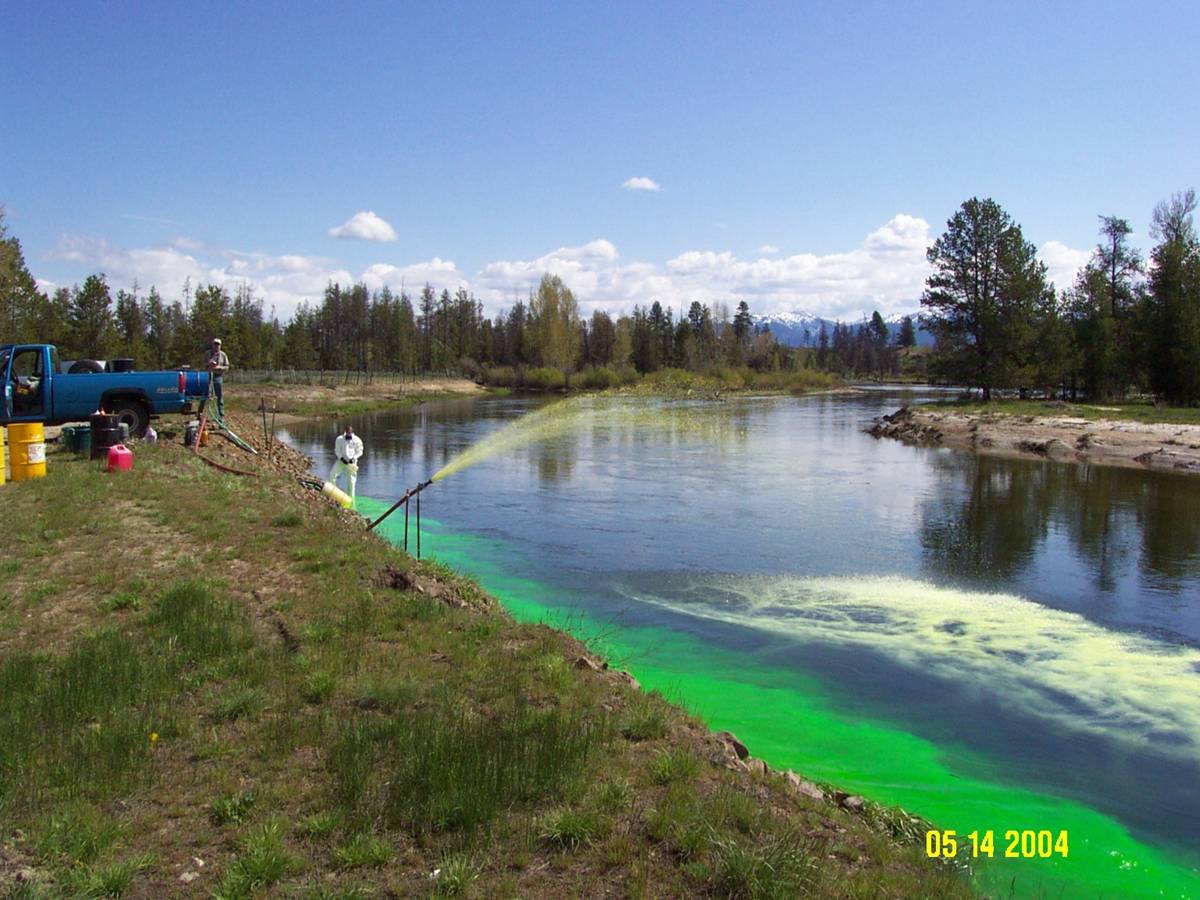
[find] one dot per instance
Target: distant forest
(539, 341)
(1126, 326)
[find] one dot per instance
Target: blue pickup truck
(37, 390)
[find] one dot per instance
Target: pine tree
(981, 299)
(1172, 306)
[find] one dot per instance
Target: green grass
(570, 828)
(646, 719)
(110, 880)
(1143, 411)
(401, 736)
(456, 874)
(448, 768)
(318, 826)
(674, 764)
(780, 868)
(363, 850)
(262, 860)
(232, 809)
(238, 704)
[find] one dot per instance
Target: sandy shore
(1139, 445)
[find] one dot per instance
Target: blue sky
(805, 154)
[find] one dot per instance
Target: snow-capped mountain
(803, 329)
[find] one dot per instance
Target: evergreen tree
(981, 298)
(1172, 306)
(19, 294)
(743, 322)
(91, 318)
(908, 334)
(131, 325)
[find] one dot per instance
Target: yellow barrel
(2, 432)
(27, 450)
(336, 493)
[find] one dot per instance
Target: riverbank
(219, 685)
(295, 402)
(1074, 435)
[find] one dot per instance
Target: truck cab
(25, 367)
(36, 390)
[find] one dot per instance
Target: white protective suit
(347, 451)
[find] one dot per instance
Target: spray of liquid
(1052, 663)
(600, 413)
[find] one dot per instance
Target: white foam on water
(1044, 661)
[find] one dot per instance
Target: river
(994, 644)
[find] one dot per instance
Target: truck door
(26, 385)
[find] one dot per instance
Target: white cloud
(1063, 262)
(364, 226)
(642, 183)
(767, 250)
(441, 273)
(886, 271)
(280, 281)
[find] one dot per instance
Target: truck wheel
(132, 412)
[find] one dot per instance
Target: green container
(70, 439)
(83, 440)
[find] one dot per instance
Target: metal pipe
(413, 491)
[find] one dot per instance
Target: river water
(994, 644)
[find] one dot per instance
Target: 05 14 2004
(1015, 843)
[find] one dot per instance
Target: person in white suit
(348, 448)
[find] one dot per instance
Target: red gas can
(120, 458)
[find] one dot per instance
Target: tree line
(1126, 326)
(355, 328)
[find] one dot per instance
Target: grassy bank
(220, 686)
(1142, 411)
(323, 401)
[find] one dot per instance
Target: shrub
(545, 379)
(501, 376)
(596, 379)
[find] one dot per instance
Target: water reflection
(1113, 538)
